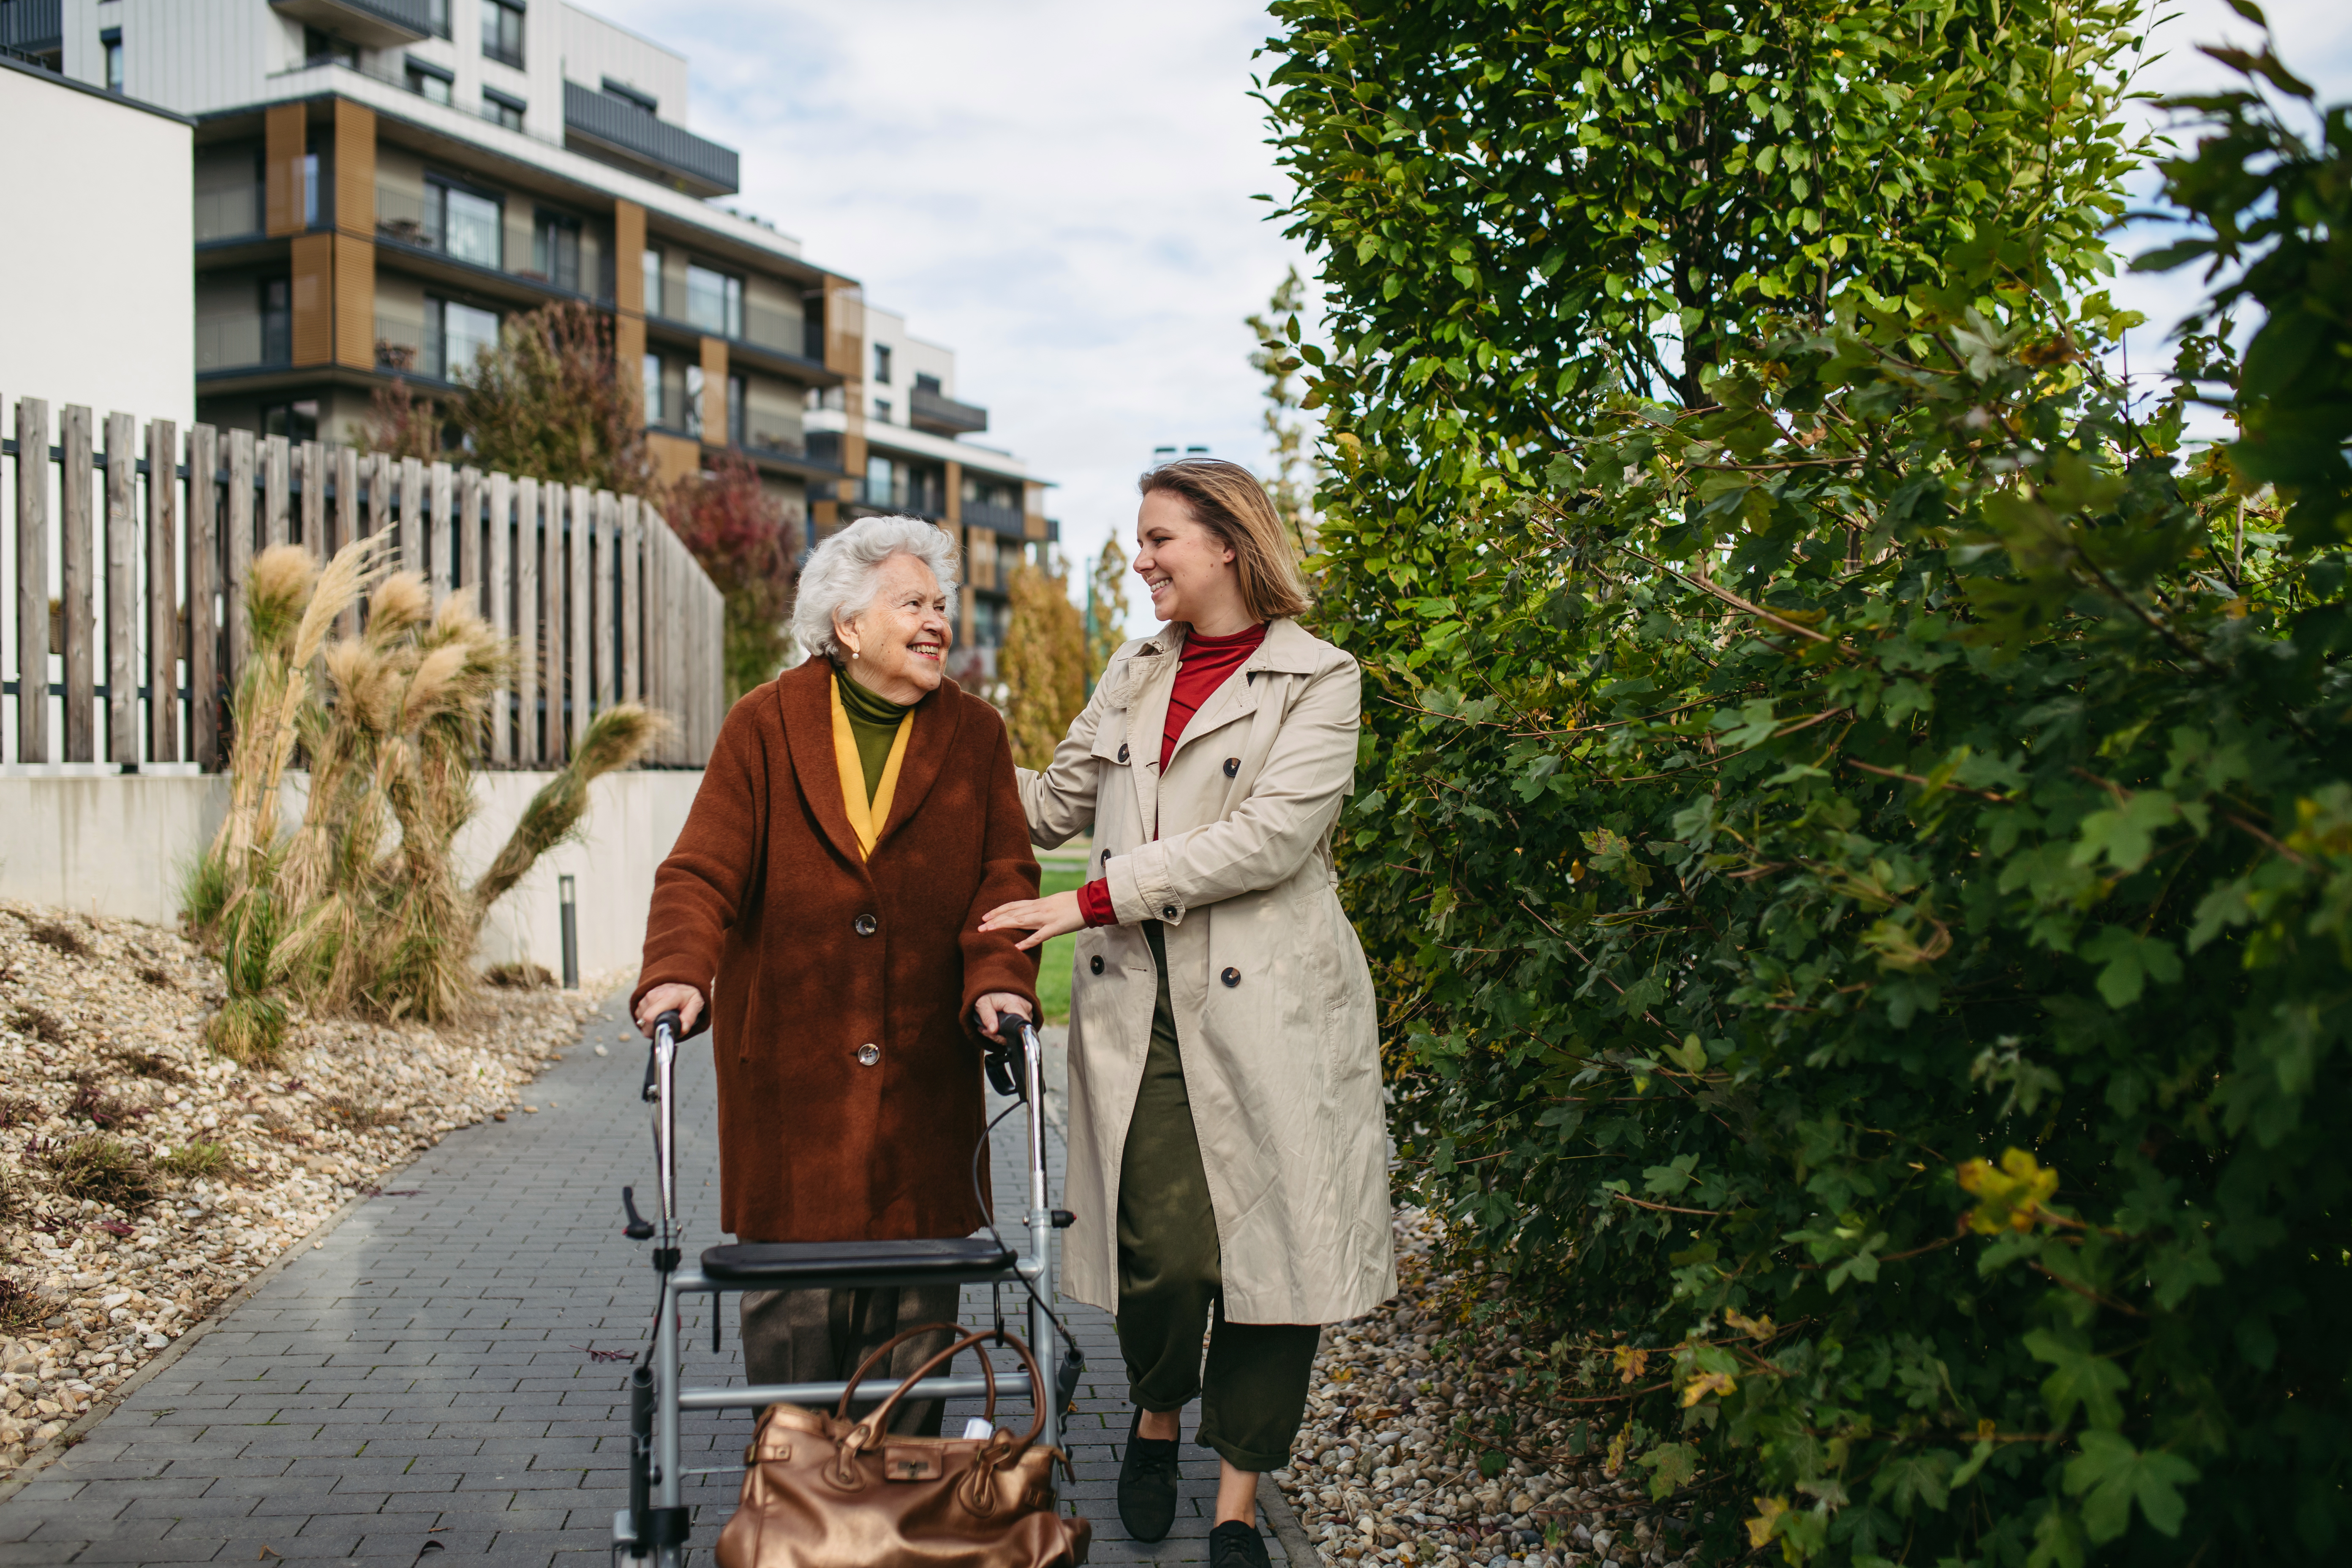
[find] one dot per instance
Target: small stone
(602, 1052)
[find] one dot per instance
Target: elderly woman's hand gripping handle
(683, 1000)
(1056, 914)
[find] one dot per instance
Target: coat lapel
(1147, 717)
(804, 700)
(936, 723)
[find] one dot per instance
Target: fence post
(204, 581)
(75, 565)
(658, 630)
(276, 457)
(499, 580)
(551, 623)
(31, 580)
(439, 558)
(633, 538)
(240, 553)
(379, 483)
(527, 632)
(411, 515)
(603, 626)
(578, 615)
(123, 589)
(346, 526)
(314, 501)
(162, 591)
(468, 554)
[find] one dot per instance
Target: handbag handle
(841, 1411)
(865, 1430)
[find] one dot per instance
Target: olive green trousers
(1170, 1293)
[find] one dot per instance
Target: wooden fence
(121, 622)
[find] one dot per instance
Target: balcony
(1004, 520)
(228, 212)
(605, 124)
(943, 415)
(33, 27)
(244, 339)
(372, 24)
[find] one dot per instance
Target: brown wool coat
(765, 893)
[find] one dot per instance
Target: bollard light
(571, 906)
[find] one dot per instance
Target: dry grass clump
(348, 1110)
(59, 936)
(195, 1160)
(17, 1111)
(156, 975)
(93, 1104)
(19, 1309)
(360, 909)
(99, 1169)
(35, 1024)
(149, 1064)
(520, 976)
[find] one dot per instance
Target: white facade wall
(593, 49)
(102, 300)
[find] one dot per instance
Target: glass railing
(237, 339)
(774, 329)
(229, 212)
(996, 518)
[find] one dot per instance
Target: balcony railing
(1004, 520)
(942, 415)
(613, 124)
(33, 27)
(774, 329)
(228, 212)
(239, 340)
(375, 24)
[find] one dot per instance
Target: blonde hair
(1228, 501)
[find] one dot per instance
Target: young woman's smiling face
(898, 644)
(1187, 569)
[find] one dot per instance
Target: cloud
(1060, 192)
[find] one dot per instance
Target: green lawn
(1054, 968)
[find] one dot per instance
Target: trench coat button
(1233, 766)
(1167, 911)
(1232, 977)
(1123, 751)
(869, 1055)
(865, 925)
(1095, 963)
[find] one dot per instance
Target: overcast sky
(1060, 191)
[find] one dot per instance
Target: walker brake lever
(1006, 1069)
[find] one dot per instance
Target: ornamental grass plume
(615, 739)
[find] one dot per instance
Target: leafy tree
(1106, 607)
(1855, 855)
(1043, 663)
(546, 402)
(1291, 486)
(743, 539)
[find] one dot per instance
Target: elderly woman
(820, 912)
(1228, 1153)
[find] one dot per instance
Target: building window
(297, 421)
(882, 409)
(880, 490)
(926, 382)
(502, 108)
(643, 99)
(455, 334)
(325, 49)
(714, 301)
(466, 225)
(502, 32)
(693, 409)
(654, 413)
(555, 251)
(735, 403)
(654, 282)
(428, 80)
(110, 41)
(436, 17)
(882, 363)
(276, 320)
(309, 190)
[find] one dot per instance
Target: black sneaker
(1234, 1544)
(1147, 1484)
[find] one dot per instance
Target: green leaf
(2116, 1476)
(2082, 1380)
(2127, 961)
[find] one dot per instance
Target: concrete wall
(120, 845)
(101, 301)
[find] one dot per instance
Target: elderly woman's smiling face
(897, 645)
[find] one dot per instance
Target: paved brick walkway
(422, 1387)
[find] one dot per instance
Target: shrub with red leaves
(743, 539)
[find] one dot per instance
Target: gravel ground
(150, 1178)
(1383, 1477)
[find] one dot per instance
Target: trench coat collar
(1289, 649)
(805, 700)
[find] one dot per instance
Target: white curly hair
(838, 582)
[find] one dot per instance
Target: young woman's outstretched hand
(1056, 914)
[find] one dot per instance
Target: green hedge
(1857, 843)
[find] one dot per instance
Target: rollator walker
(651, 1532)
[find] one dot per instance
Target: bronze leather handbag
(824, 1491)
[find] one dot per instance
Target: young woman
(1228, 1158)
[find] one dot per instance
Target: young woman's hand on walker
(1043, 919)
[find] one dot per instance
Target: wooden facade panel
(285, 135)
(313, 263)
(355, 169)
(354, 288)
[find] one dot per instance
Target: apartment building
(379, 184)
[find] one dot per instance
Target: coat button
(867, 925)
(1095, 963)
(869, 1055)
(1233, 766)
(1230, 977)
(1123, 751)
(1167, 911)
(1106, 857)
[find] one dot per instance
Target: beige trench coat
(1273, 999)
